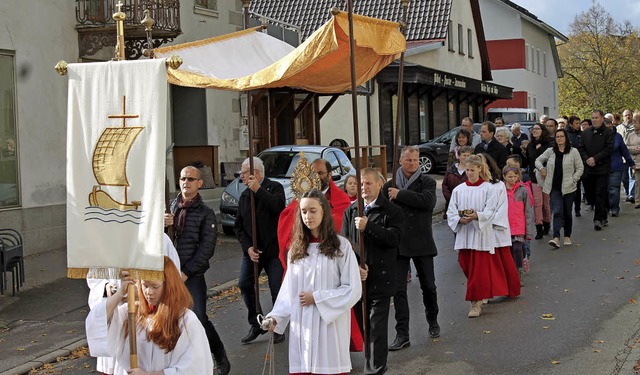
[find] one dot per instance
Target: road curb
(216, 290)
(46, 358)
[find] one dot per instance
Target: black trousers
(597, 188)
(378, 310)
(427, 278)
(198, 288)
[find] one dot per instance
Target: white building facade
(523, 55)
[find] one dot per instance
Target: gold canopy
(320, 64)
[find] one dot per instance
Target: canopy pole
(254, 234)
(400, 106)
(356, 143)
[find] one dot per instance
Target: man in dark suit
(490, 145)
(596, 147)
(269, 203)
(381, 228)
(415, 194)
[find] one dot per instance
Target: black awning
(420, 75)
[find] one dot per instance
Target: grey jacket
(572, 169)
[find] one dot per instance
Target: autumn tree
(600, 65)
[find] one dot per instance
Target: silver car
(279, 163)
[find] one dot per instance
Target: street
(589, 291)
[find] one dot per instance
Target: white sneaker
(476, 309)
(555, 242)
(567, 241)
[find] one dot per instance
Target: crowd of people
(503, 189)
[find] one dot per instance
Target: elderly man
(517, 136)
(596, 147)
(415, 194)
(195, 241)
(269, 202)
(491, 146)
(467, 123)
(381, 228)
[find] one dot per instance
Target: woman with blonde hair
(470, 215)
(170, 338)
(320, 287)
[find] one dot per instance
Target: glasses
(190, 179)
(321, 173)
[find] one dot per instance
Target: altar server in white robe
(321, 285)
(470, 215)
(100, 289)
(170, 338)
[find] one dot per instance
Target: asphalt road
(590, 289)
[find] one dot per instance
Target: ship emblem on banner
(109, 164)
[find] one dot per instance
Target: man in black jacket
(195, 241)
(381, 230)
(415, 194)
(269, 203)
(596, 147)
(490, 145)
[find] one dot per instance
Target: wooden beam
(328, 105)
(303, 105)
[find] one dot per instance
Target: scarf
(402, 182)
(183, 206)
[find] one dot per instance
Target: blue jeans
(197, 286)
(561, 208)
(615, 178)
(632, 183)
(274, 270)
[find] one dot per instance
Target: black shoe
(637, 206)
(545, 228)
(615, 214)
(399, 343)
(539, 234)
(631, 199)
(597, 225)
(253, 334)
(278, 338)
(223, 365)
(578, 214)
(434, 330)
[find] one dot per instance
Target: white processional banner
(116, 139)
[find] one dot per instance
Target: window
(526, 57)
(9, 183)
(209, 4)
(469, 43)
(344, 161)
(335, 165)
(538, 60)
(450, 36)
(460, 40)
(533, 59)
(544, 63)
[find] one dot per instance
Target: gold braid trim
(113, 273)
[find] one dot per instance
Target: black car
(279, 163)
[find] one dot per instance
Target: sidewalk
(45, 319)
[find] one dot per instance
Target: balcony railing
(96, 27)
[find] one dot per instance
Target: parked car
(435, 152)
(279, 163)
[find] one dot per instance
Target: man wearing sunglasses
(195, 240)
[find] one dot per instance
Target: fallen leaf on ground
(600, 341)
(620, 277)
(545, 327)
(632, 300)
(548, 317)
(555, 362)
(597, 350)
(486, 332)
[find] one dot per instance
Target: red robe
(339, 201)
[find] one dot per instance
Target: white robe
(319, 334)
(96, 295)
(500, 220)
(191, 355)
(478, 234)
